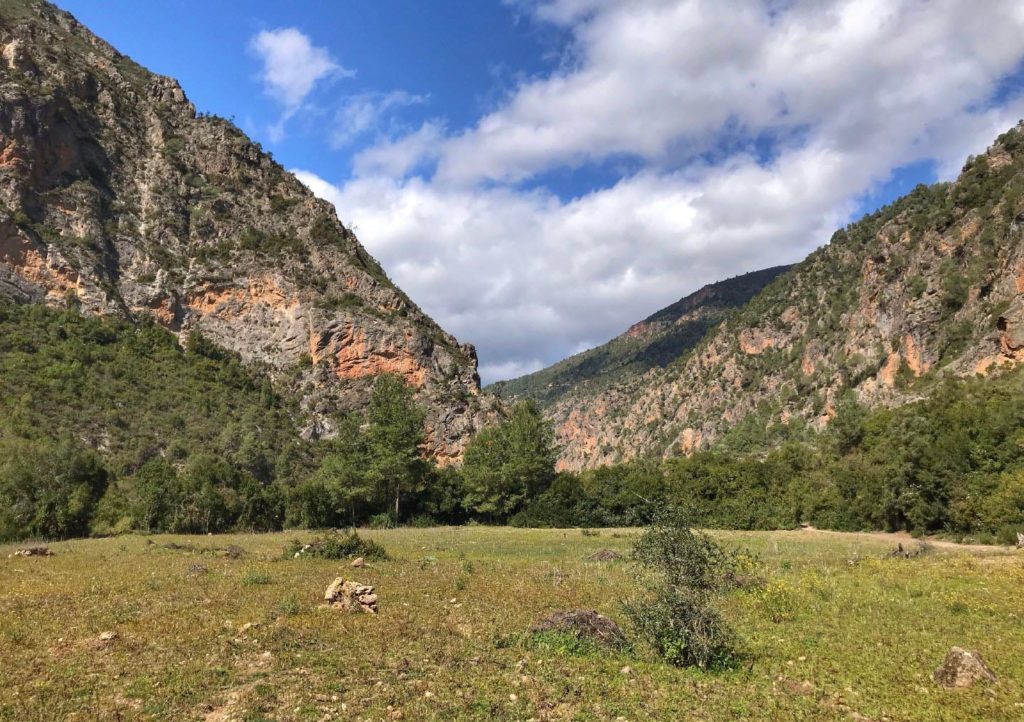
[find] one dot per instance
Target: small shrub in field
(337, 546)
(776, 601)
(254, 577)
(688, 571)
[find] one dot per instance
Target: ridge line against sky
(539, 175)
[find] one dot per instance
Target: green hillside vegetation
(953, 463)
(659, 339)
(108, 427)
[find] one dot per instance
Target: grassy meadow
(838, 632)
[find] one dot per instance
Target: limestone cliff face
(929, 287)
(116, 196)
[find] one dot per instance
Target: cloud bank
(746, 133)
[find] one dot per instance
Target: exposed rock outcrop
(929, 287)
(116, 196)
(963, 668)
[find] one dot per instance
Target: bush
(255, 577)
(337, 546)
(688, 571)
(382, 521)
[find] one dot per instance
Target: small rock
(962, 668)
(351, 596)
(604, 555)
(108, 636)
(358, 562)
(626, 670)
(33, 552)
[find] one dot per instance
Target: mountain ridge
(929, 286)
(654, 342)
(117, 197)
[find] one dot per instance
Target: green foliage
(688, 571)
(505, 465)
(337, 546)
(393, 435)
(47, 489)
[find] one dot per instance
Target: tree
(48, 489)
(506, 465)
(394, 433)
(343, 473)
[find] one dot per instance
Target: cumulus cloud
(755, 126)
(292, 66)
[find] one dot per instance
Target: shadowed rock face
(117, 197)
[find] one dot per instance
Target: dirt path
(907, 540)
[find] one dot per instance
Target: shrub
(688, 571)
(254, 577)
(337, 546)
(382, 521)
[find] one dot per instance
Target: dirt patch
(604, 555)
(585, 624)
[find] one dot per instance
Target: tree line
(91, 444)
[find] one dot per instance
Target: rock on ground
(962, 668)
(33, 552)
(351, 596)
(584, 623)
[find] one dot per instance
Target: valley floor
(838, 633)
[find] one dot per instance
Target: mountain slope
(117, 197)
(655, 342)
(930, 286)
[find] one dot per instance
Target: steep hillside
(930, 286)
(117, 197)
(655, 342)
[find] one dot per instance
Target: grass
(837, 630)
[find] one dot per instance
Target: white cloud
(363, 112)
(804, 106)
(292, 66)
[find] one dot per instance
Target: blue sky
(539, 174)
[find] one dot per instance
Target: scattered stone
(104, 641)
(351, 596)
(245, 628)
(196, 569)
(604, 555)
(900, 553)
(962, 668)
(584, 623)
(358, 562)
(33, 552)
(791, 686)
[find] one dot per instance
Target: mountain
(118, 198)
(929, 287)
(655, 342)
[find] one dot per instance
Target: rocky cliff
(116, 196)
(929, 287)
(655, 342)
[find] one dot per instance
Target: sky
(540, 174)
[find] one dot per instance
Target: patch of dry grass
(825, 639)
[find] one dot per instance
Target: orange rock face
(20, 255)
(236, 301)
